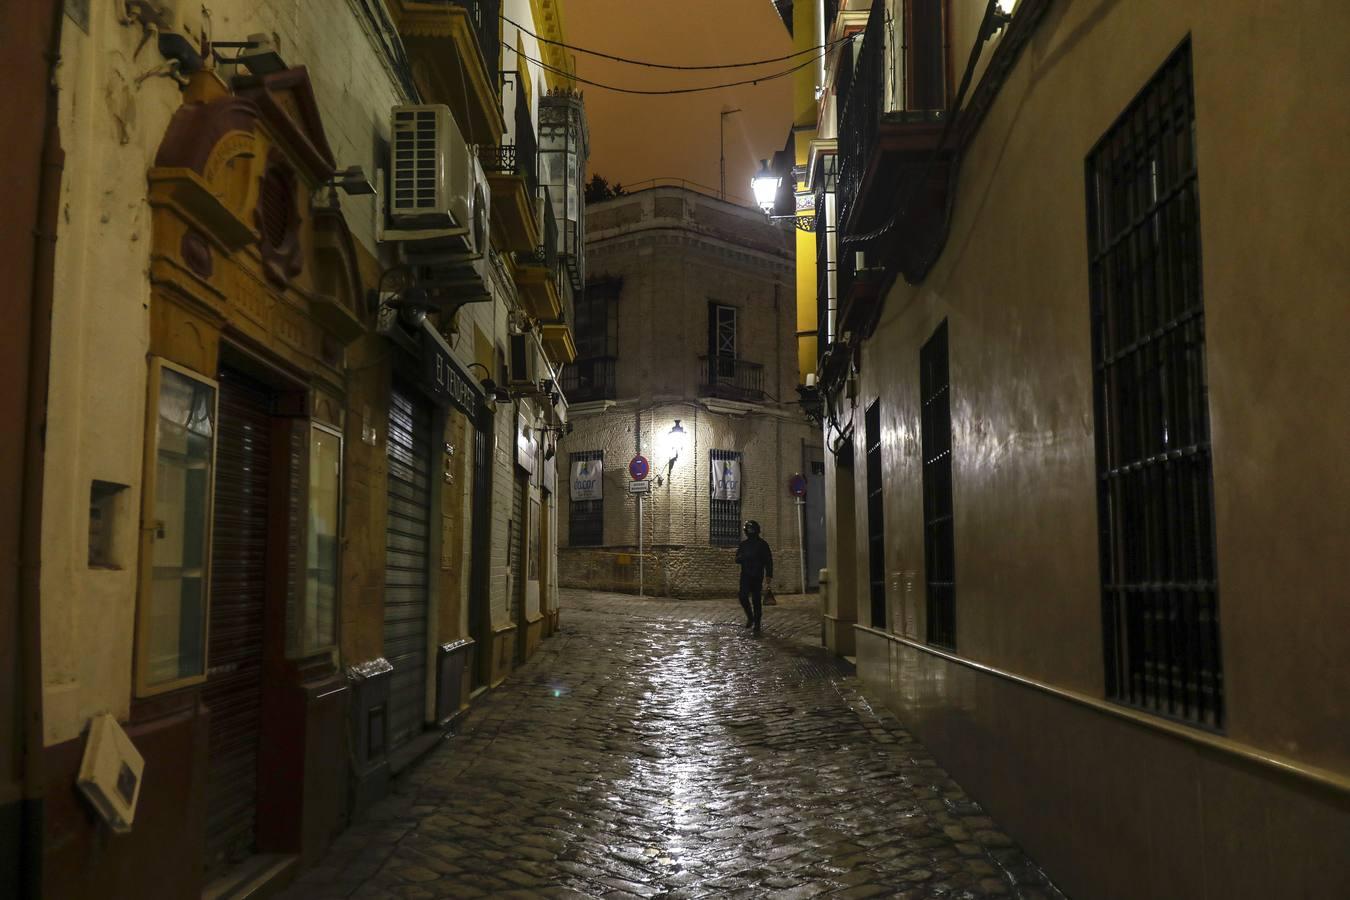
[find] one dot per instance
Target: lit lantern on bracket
(674, 443)
(765, 185)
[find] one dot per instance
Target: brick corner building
(688, 318)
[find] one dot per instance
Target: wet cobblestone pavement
(655, 749)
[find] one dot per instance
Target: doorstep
(257, 877)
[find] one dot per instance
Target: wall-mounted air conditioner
(438, 194)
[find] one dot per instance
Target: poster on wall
(726, 479)
(587, 480)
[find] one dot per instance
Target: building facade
(299, 497)
(1085, 535)
(685, 357)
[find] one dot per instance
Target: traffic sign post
(797, 488)
(639, 487)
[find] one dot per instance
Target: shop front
(433, 595)
(238, 706)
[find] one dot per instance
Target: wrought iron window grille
(586, 518)
(1160, 601)
(936, 450)
(724, 516)
(876, 519)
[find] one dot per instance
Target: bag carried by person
(769, 598)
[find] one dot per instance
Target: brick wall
(672, 262)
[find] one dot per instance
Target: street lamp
(674, 441)
(765, 185)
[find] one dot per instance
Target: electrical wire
(668, 91)
(651, 65)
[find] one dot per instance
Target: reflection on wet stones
(654, 749)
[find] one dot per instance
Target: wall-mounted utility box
(110, 775)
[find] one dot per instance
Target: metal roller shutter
(233, 690)
(407, 552)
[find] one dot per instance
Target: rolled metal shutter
(233, 690)
(407, 561)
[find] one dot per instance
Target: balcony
(731, 379)
(824, 268)
(590, 379)
(453, 48)
(537, 269)
(890, 178)
(513, 172)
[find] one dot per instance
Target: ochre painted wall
(1013, 287)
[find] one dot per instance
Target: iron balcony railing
(546, 254)
(484, 15)
(590, 379)
(823, 299)
(860, 121)
(731, 378)
(520, 157)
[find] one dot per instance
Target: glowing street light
(674, 442)
(765, 185)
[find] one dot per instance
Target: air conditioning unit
(437, 190)
(438, 208)
(522, 364)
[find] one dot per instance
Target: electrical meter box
(110, 775)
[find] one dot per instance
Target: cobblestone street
(654, 748)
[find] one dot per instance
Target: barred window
(586, 518)
(724, 500)
(938, 537)
(1155, 504)
(876, 520)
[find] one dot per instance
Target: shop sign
(442, 376)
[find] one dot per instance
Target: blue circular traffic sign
(638, 468)
(797, 485)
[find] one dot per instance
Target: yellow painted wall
(805, 24)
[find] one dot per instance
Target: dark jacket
(755, 558)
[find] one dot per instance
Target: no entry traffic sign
(638, 467)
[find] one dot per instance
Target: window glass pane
(319, 622)
(174, 644)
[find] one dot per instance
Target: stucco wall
(1013, 286)
(1016, 299)
(115, 106)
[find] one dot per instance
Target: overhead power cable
(668, 91)
(652, 65)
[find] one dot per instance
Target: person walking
(756, 562)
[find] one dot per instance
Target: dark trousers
(752, 591)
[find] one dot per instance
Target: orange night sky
(634, 138)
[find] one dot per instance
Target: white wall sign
(726, 479)
(587, 479)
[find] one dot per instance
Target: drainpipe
(30, 550)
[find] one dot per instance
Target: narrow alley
(656, 749)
